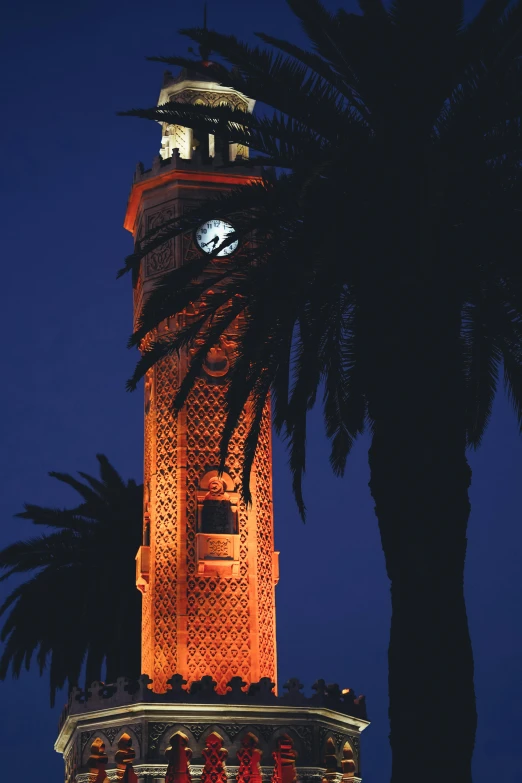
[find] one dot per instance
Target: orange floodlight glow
(208, 561)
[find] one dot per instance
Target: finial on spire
(204, 49)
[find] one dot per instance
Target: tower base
(292, 737)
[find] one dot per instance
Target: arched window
(217, 515)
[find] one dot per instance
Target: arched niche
(177, 728)
(217, 537)
(136, 744)
(234, 742)
(217, 504)
(212, 731)
(178, 755)
(109, 749)
(349, 763)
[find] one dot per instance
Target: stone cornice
(208, 713)
(178, 172)
(173, 88)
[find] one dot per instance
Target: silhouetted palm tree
(80, 604)
(387, 276)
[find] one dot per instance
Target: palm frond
(399, 134)
(54, 517)
(281, 82)
(68, 576)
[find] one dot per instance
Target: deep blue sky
(67, 164)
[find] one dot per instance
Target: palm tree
(386, 277)
(79, 606)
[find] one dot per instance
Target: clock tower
(207, 568)
(207, 705)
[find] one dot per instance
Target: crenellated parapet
(125, 692)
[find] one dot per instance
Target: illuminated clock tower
(207, 568)
(207, 705)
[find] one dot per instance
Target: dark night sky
(67, 164)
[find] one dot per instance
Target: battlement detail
(125, 692)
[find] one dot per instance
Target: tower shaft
(207, 568)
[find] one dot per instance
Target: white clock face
(212, 234)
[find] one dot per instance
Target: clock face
(212, 234)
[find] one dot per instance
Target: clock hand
(214, 240)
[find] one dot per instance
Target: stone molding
(144, 771)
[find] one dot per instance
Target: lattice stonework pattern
(198, 624)
(149, 470)
(218, 612)
(159, 632)
(265, 548)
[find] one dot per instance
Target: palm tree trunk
(419, 482)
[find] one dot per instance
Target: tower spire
(204, 48)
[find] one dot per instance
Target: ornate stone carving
(222, 645)
(293, 688)
(262, 692)
(111, 732)
(176, 683)
(161, 438)
(249, 756)
(217, 542)
(161, 258)
(156, 731)
(217, 361)
(284, 758)
(84, 739)
(98, 761)
(224, 601)
(72, 762)
(197, 729)
(124, 758)
(215, 756)
(347, 763)
(330, 762)
(219, 547)
(266, 731)
(306, 735)
(232, 729)
(236, 690)
(138, 731)
(178, 756)
(355, 742)
(203, 691)
(323, 731)
(211, 98)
